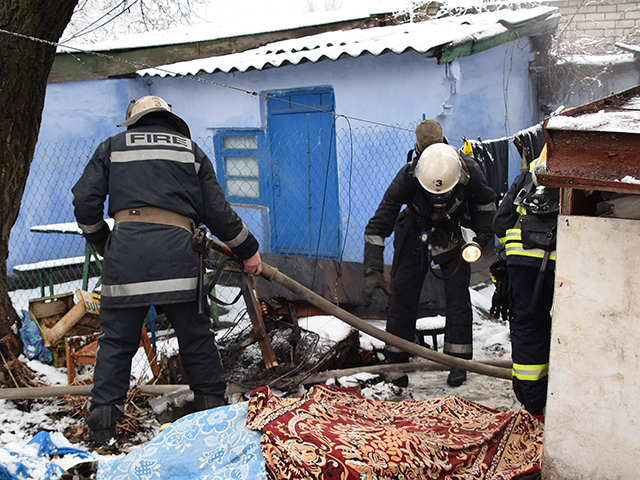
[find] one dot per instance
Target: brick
(594, 33)
(606, 8)
(608, 24)
(580, 17)
(588, 9)
(559, 3)
(587, 26)
(614, 16)
(624, 24)
(596, 17)
(566, 10)
(634, 15)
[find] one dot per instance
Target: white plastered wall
(592, 424)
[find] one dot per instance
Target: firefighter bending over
(448, 203)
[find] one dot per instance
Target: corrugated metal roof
(420, 37)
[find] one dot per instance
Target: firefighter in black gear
(445, 193)
(160, 185)
(526, 224)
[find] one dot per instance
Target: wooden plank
(54, 334)
(50, 306)
(253, 308)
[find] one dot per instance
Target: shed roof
(445, 39)
(596, 146)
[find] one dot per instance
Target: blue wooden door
(305, 210)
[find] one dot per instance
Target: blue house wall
(487, 95)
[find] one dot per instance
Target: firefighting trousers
(406, 285)
(120, 341)
(530, 336)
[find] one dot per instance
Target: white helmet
(439, 168)
(149, 104)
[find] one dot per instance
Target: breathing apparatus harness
(538, 207)
(436, 224)
(538, 223)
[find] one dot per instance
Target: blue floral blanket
(208, 445)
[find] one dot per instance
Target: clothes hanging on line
(529, 143)
(493, 158)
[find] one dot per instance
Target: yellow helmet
(539, 165)
(149, 104)
(439, 168)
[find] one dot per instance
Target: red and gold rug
(334, 433)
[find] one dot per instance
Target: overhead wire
(253, 93)
(336, 115)
(84, 31)
(197, 79)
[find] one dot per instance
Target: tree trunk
(25, 64)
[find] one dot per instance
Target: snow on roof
(235, 23)
(624, 119)
(420, 37)
(596, 60)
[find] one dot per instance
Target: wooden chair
(81, 349)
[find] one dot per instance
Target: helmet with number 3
(439, 168)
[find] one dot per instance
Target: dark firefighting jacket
(471, 204)
(517, 226)
(152, 165)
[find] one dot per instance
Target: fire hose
(272, 274)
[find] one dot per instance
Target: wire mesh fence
(298, 197)
(306, 194)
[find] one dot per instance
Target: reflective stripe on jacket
(505, 225)
(152, 165)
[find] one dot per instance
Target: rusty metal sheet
(597, 155)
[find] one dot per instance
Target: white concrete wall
(592, 425)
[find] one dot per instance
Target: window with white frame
(237, 158)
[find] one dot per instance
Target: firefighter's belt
(154, 215)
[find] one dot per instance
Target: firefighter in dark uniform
(526, 223)
(448, 202)
(160, 185)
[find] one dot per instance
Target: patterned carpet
(334, 433)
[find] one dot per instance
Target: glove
(500, 299)
(482, 239)
(100, 246)
(373, 279)
(500, 307)
(99, 238)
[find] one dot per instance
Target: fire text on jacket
(141, 139)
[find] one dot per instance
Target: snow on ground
(491, 341)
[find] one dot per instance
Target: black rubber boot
(102, 423)
(456, 377)
(394, 355)
(205, 402)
